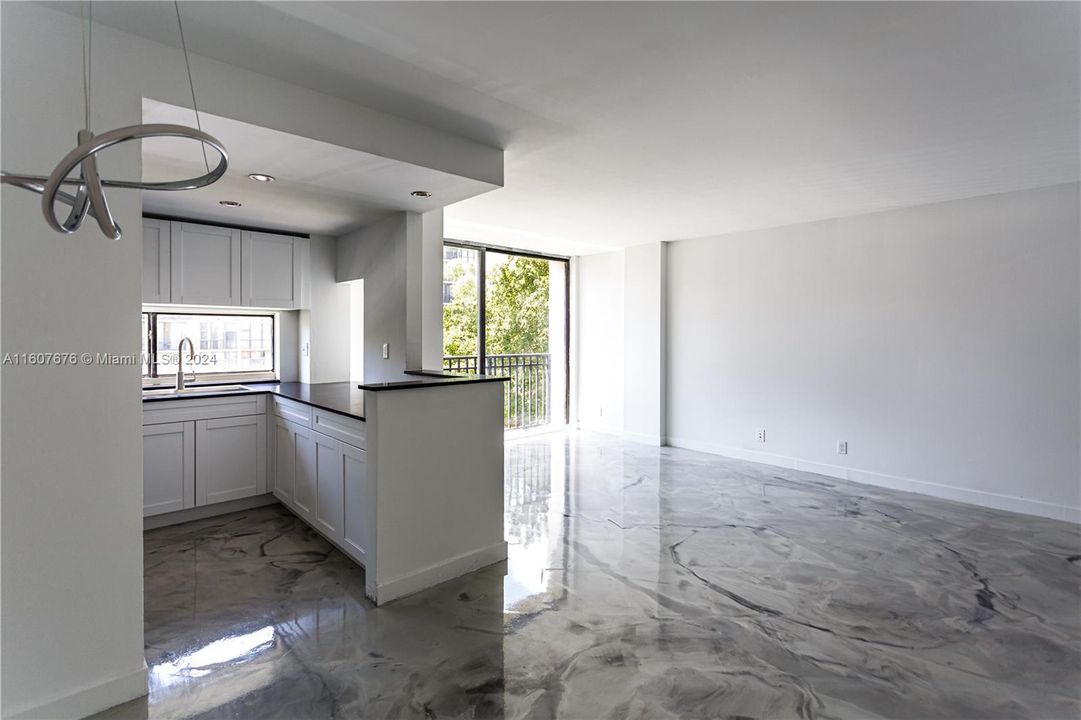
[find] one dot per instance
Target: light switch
(386, 351)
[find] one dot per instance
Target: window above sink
(227, 347)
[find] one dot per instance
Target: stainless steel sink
(195, 390)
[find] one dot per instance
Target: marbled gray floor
(642, 583)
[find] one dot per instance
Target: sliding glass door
(505, 313)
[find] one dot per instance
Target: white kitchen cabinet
(270, 267)
(284, 465)
(202, 451)
(358, 519)
(156, 262)
(204, 265)
(304, 474)
(328, 486)
(168, 467)
(231, 458)
(310, 475)
(317, 495)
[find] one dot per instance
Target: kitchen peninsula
(384, 471)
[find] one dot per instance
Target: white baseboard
(655, 440)
(648, 439)
(88, 699)
(440, 572)
(982, 498)
(607, 430)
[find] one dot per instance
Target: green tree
(460, 314)
(516, 308)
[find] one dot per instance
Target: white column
(424, 290)
(644, 343)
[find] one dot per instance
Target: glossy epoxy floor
(642, 583)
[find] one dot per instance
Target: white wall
(288, 342)
(376, 254)
(72, 551)
(356, 330)
(402, 292)
(644, 359)
(621, 352)
(329, 317)
(599, 334)
(943, 342)
(458, 473)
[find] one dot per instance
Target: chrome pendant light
(89, 198)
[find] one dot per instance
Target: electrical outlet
(386, 351)
(760, 435)
(842, 447)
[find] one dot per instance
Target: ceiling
(625, 123)
(319, 187)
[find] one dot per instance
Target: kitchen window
(227, 347)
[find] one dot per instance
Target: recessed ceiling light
(229, 203)
(261, 177)
(420, 193)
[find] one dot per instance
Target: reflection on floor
(642, 583)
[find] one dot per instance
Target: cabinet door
(328, 486)
(270, 270)
(168, 467)
(358, 503)
(304, 477)
(285, 453)
(205, 265)
(230, 458)
(156, 249)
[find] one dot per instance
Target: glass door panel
(522, 300)
(461, 309)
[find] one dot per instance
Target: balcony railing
(527, 397)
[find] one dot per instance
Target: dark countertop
(339, 397)
(431, 378)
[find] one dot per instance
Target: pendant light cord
(191, 84)
(87, 26)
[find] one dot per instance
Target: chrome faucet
(180, 361)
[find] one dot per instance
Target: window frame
(150, 350)
(482, 250)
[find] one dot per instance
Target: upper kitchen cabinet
(156, 249)
(271, 270)
(194, 264)
(205, 264)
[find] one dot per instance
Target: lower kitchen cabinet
(230, 459)
(304, 473)
(208, 456)
(284, 467)
(328, 487)
(358, 508)
(324, 481)
(168, 467)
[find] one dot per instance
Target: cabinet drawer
(292, 411)
(348, 430)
